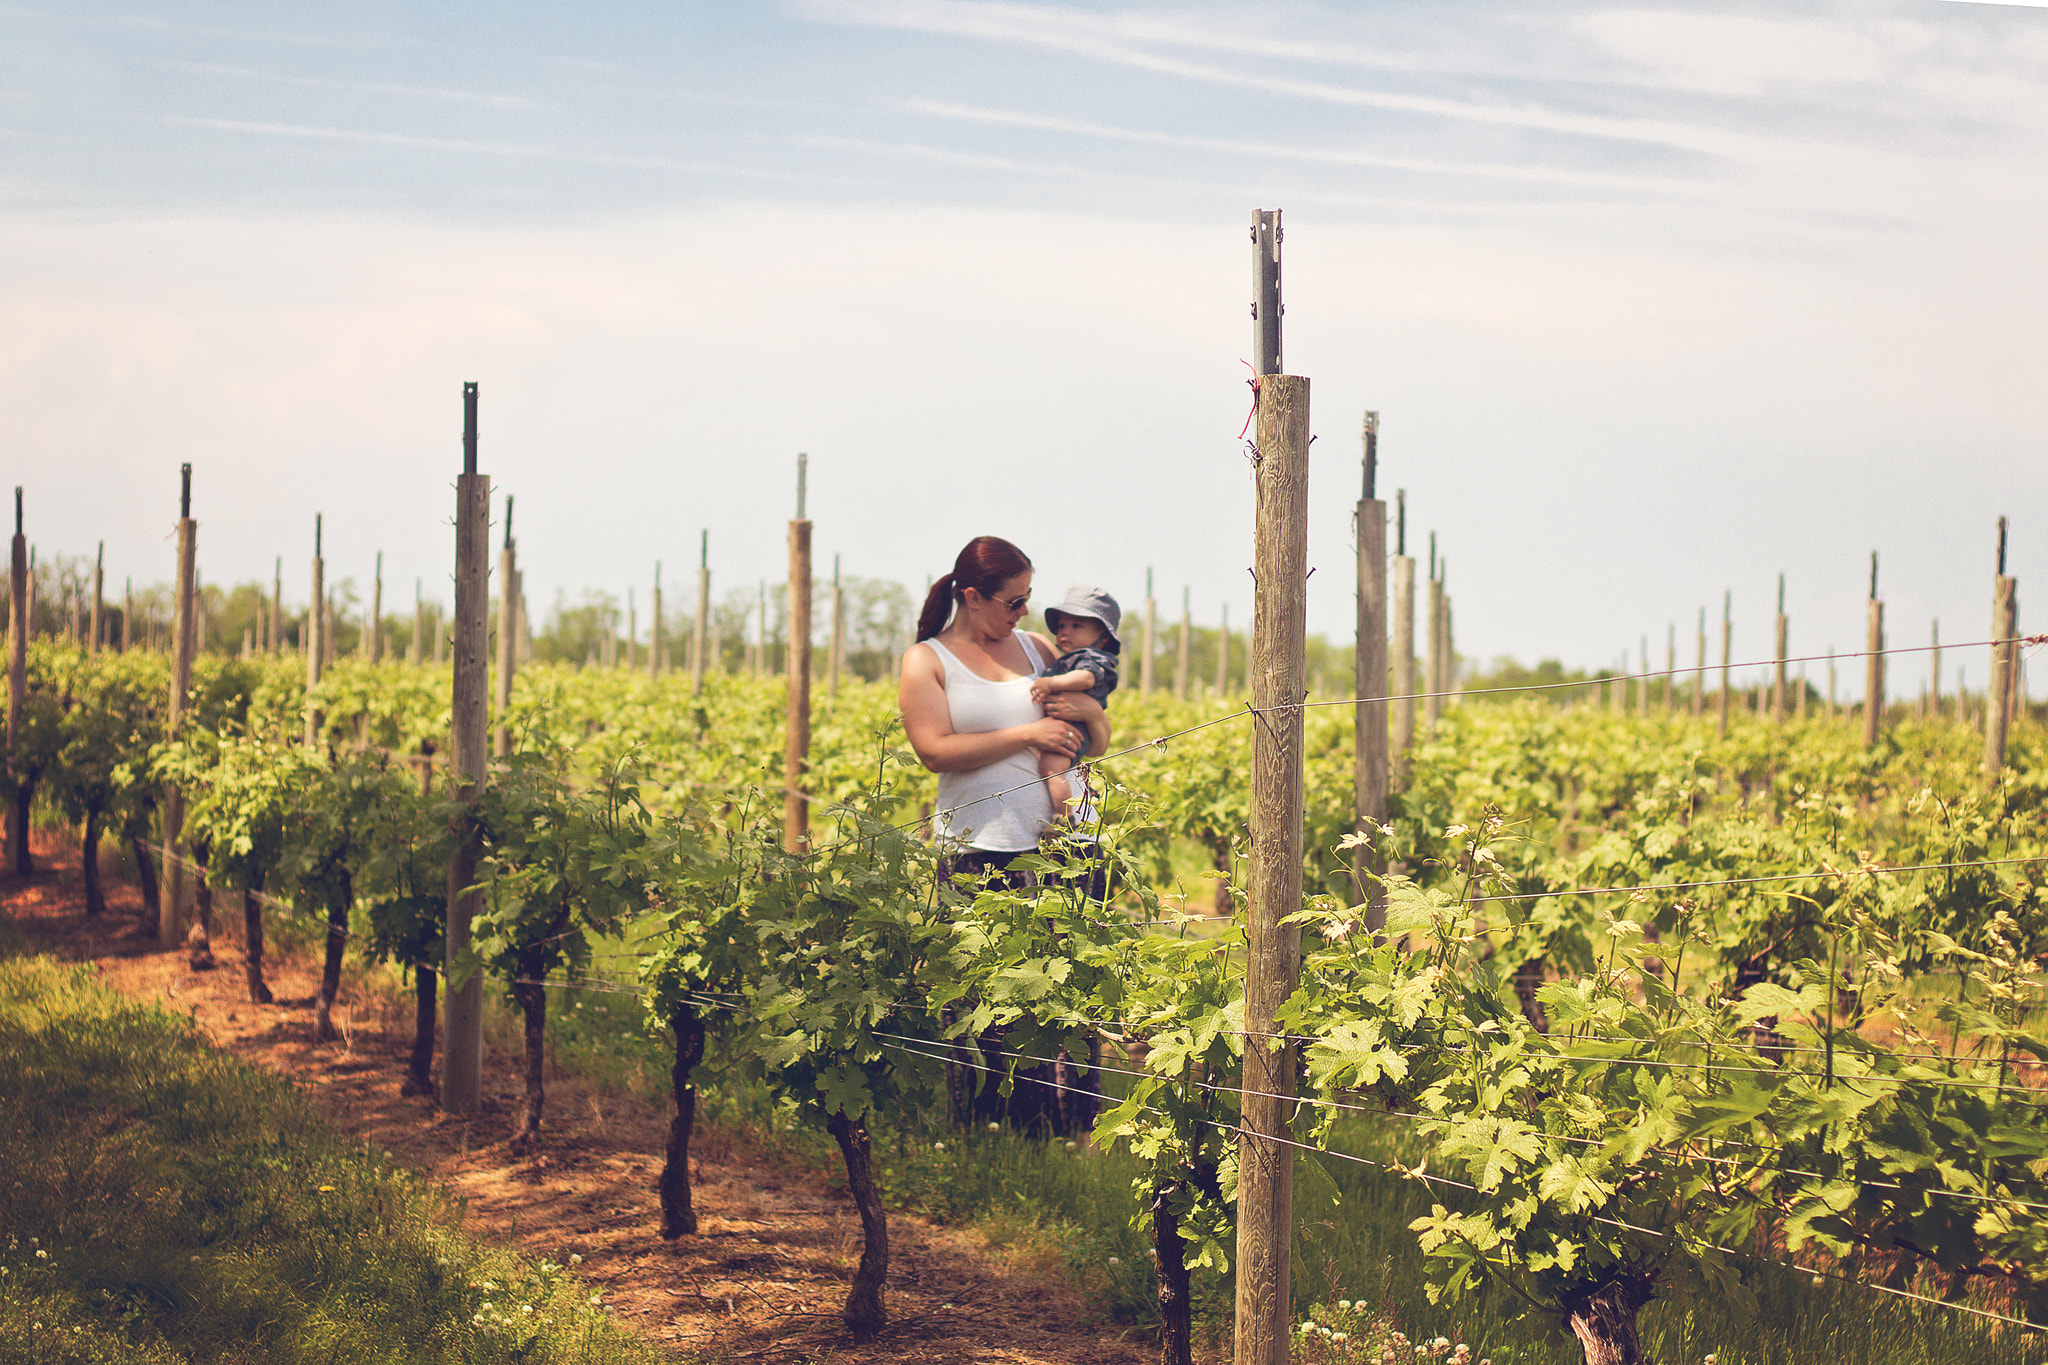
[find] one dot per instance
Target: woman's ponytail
(938, 608)
(984, 565)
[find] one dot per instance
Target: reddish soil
(766, 1274)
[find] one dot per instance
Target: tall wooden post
(1265, 1224)
(1699, 673)
(1183, 677)
(99, 593)
(1670, 666)
(1404, 635)
(371, 646)
(796, 758)
(1780, 697)
(1145, 652)
(1727, 645)
(273, 627)
(1998, 692)
(1223, 653)
(1873, 665)
(525, 618)
(1433, 653)
(316, 635)
(1831, 682)
(657, 639)
(17, 690)
(508, 630)
(700, 636)
(462, 1055)
(837, 647)
(184, 641)
(1934, 700)
(1369, 739)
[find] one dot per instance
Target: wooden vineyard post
(1370, 722)
(1183, 676)
(1404, 637)
(273, 628)
(1670, 667)
(1998, 692)
(462, 1053)
(316, 636)
(796, 758)
(372, 647)
(1934, 700)
(17, 691)
(1265, 1223)
(657, 641)
(1780, 698)
(700, 635)
(1727, 644)
(1223, 653)
(1145, 652)
(508, 630)
(525, 621)
(171, 909)
(417, 655)
(1433, 659)
(837, 647)
(1873, 664)
(1699, 673)
(99, 592)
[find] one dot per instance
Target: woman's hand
(1080, 709)
(1050, 736)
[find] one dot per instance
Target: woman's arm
(928, 723)
(1086, 712)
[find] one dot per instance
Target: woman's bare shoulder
(1051, 651)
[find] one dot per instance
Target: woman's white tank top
(979, 808)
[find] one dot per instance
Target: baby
(1084, 625)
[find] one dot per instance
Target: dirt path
(763, 1279)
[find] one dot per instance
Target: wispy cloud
(1112, 41)
(153, 23)
(1331, 156)
(1232, 189)
(485, 98)
(539, 151)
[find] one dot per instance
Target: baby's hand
(1039, 691)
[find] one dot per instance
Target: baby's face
(1077, 632)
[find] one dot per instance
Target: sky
(1655, 303)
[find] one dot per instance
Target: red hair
(984, 565)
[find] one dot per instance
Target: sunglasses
(1007, 603)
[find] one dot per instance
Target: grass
(165, 1202)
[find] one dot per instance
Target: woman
(965, 694)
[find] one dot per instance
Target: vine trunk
(678, 1217)
(863, 1314)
